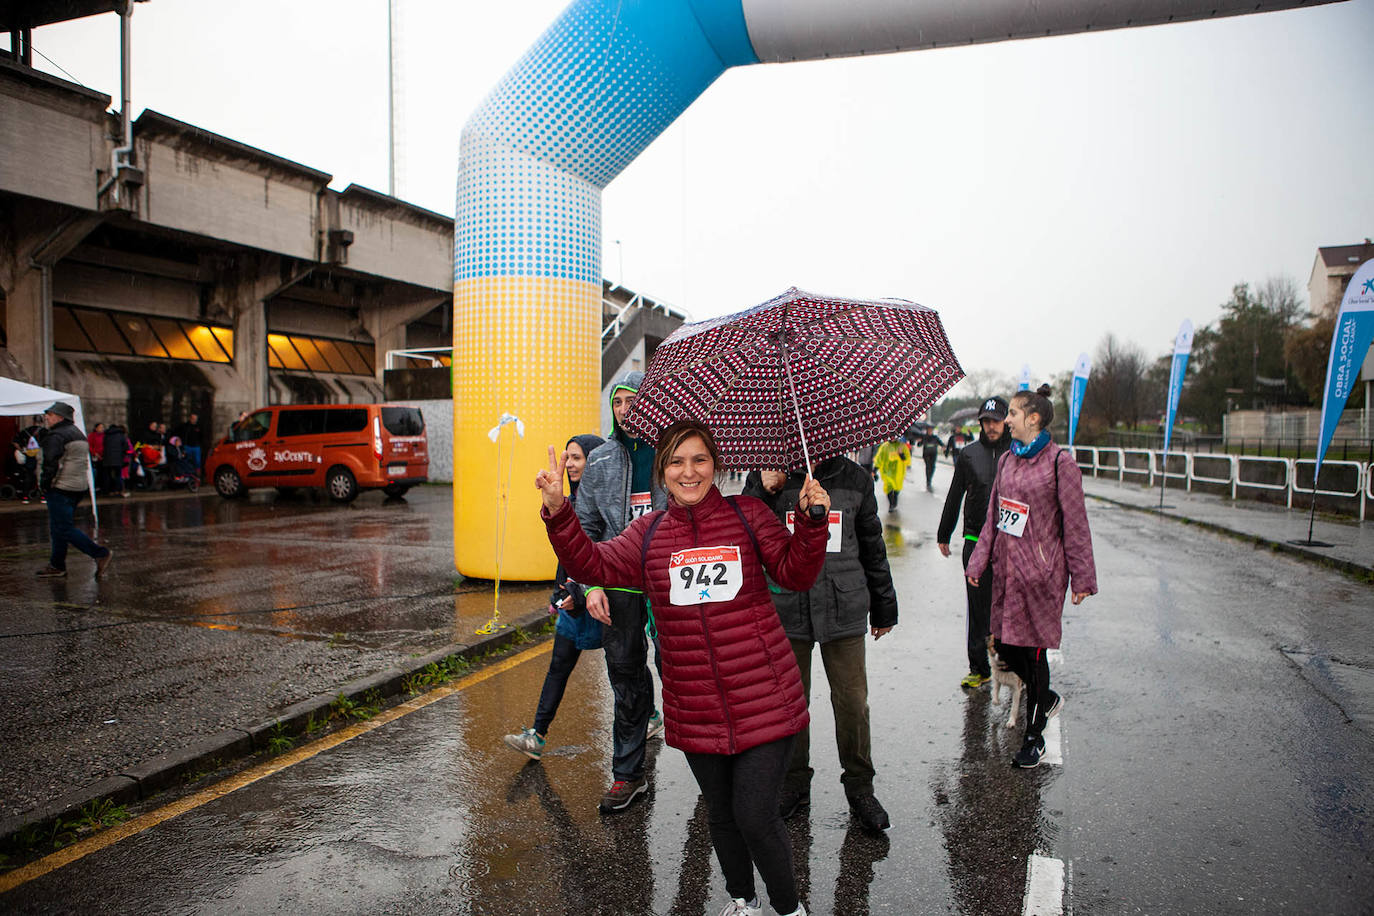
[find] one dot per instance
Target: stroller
(181, 470)
(149, 469)
(21, 467)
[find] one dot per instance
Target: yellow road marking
(70, 854)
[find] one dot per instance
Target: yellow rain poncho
(891, 461)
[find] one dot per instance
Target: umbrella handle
(816, 512)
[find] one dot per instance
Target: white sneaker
(655, 725)
(741, 907)
(799, 911)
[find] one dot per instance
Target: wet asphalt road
(214, 614)
(1216, 758)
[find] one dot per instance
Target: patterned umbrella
(799, 378)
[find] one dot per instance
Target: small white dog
(1002, 676)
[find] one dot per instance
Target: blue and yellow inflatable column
(605, 79)
(601, 83)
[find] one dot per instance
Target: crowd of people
(735, 594)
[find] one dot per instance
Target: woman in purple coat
(1036, 537)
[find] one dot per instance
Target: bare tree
(1117, 385)
(1282, 298)
(981, 384)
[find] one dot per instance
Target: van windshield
(403, 421)
(253, 426)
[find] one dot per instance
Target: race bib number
(704, 575)
(1011, 516)
(832, 545)
(640, 504)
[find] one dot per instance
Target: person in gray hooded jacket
(66, 470)
(853, 598)
(617, 487)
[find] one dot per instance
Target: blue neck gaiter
(1022, 450)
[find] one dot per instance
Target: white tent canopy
(21, 399)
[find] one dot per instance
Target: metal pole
(390, 104)
(801, 431)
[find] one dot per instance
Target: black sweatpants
(627, 666)
(741, 792)
(1032, 665)
(979, 615)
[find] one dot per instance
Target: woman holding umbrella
(732, 692)
(1036, 537)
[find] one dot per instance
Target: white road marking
(1054, 744)
(1044, 887)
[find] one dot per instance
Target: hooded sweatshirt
(617, 486)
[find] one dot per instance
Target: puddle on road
(1350, 687)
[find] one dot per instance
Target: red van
(345, 448)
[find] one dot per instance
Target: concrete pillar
(242, 288)
(386, 322)
(28, 344)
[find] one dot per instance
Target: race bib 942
(704, 575)
(1011, 516)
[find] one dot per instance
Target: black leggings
(1032, 666)
(561, 664)
(741, 792)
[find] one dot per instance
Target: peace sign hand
(550, 482)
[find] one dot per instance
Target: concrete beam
(36, 235)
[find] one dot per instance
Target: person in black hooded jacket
(852, 598)
(974, 472)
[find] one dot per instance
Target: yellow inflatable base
(529, 347)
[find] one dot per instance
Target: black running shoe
(1028, 758)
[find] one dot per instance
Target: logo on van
(257, 459)
(292, 456)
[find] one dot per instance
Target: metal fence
(1341, 449)
(1348, 485)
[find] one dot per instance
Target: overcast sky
(1037, 193)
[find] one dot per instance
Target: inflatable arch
(605, 79)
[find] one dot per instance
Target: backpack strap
(758, 551)
(649, 536)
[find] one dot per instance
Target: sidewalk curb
(156, 774)
(1363, 573)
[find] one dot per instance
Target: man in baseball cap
(974, 471)
(66, 464)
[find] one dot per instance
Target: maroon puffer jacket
(730, 681)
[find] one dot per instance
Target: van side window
(345, 420)
(250, 427)
(300, 423)
(403, 421)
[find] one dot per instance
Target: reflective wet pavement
(214, 614)
(1215, 742)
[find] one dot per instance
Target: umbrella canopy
(962, 414)
(800, 375)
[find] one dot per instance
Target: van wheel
(396, 489)
(341, 485)
(228, 483)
